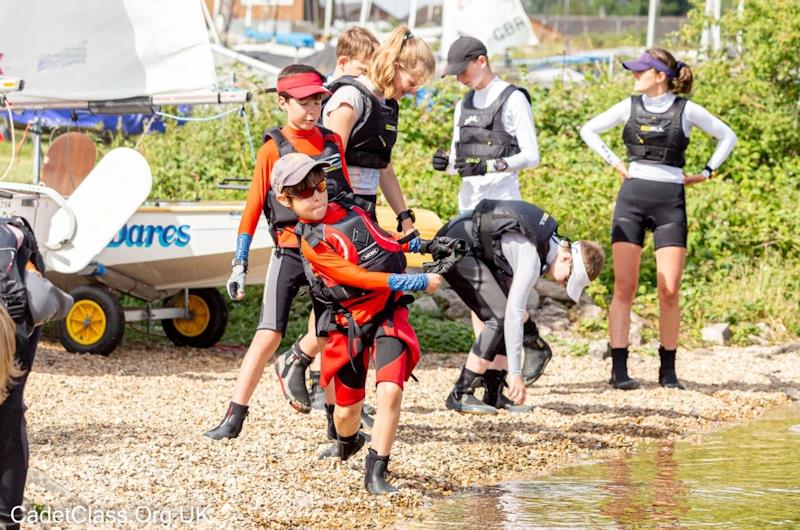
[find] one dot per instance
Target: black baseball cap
(463, 51)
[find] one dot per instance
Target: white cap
(578, 279)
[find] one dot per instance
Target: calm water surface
(742, 477)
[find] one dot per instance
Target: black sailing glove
(447, 251)
(470, 166)
(443, 246)
(440, 160)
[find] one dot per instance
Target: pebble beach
(123, 434)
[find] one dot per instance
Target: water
(743, 477)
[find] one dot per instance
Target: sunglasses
(307, 193)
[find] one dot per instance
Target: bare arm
(394, 195)
(341, 121)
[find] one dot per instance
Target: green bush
(744, 225)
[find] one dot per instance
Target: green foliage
(743, 262)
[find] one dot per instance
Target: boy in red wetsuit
(357, 271)
(300, 93)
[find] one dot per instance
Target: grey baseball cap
(463, 51)
(291, 169)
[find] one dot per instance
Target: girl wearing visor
(510, 244)
(658, 122)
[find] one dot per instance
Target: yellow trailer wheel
(95, 323)
(208, 318)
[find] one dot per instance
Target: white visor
(578, 279)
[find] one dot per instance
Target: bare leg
(477, 364)
(500, 362)
(669, 266)
(477, 324)
(263, 345)
(347, 419)
(309, 343)
(627, 257)
(390, 396)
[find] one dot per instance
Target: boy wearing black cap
(510, 244)
(494, 137)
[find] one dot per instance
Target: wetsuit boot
(666, 372)
(334, 450)
(349, 445)
(462, 397)
(345, 446)
(375, 474)
(619, 370)
(494, 381)
(231, 424)
(537, 353)
(290, 368)
(316, 392)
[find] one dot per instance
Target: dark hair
(314, 177)
(296, 69)
(681, 83)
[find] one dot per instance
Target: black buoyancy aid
(656, 138)
(375, 133)
(375, 250)
(280, 216)
(481, 132)
(13, 293)
(491, 219)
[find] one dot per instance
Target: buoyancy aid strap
(366, 332)
(487, 243)
(283, 145)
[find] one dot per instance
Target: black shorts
(650, 205)
(285, 277)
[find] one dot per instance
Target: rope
(243, 114)
(190, 119)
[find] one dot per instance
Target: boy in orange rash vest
(356, 270)
(300, 93)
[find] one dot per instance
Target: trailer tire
(207, 322)
(96, 322)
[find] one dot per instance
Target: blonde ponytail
(9, 368)
(411, 53)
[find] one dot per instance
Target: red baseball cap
(302, 85)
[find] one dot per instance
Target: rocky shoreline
(123, 432)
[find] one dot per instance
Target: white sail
(500, 24)
(105, 49)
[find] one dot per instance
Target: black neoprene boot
(494, 381)
(462, 397)
(666, 372)
(619, 370)
(334, 450)
(316, 392)
(231, 424)
(375, 474)
(537, 353)
(290, 368)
